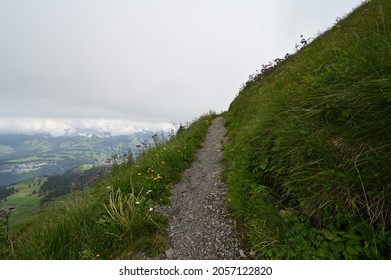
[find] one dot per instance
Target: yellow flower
(139, 174)
(157, 177)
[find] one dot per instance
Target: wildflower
(149, 191)
(97, 256)
(3, 213)
(137, 202)
(151, 209)
(139, 174)
(157, 177)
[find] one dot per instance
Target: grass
(116, 217)
(27, 200)
(308, 161)
(82, 168)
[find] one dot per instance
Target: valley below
(36, 169)
(23, 157)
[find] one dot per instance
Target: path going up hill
(199, 226)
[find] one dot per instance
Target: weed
(268, 68)
(126, 209)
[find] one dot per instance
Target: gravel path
(199, 226)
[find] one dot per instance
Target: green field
(6, 149)
(26, 200)
(27, 159)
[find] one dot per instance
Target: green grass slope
(308, 162)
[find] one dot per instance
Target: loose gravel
(199, 226)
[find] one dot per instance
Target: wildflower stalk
(6, 214)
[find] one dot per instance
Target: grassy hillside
(115, 217)
(308, 162)
(29, 195)
(27, 200)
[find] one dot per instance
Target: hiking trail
(199, 226)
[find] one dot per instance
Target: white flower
(150, 209)
(137, 202)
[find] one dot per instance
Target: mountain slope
(114, 217)
(308, 162)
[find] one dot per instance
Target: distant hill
(26, 156)
(72, 180)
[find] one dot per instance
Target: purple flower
(3, 213)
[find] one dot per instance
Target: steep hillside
(308, 162)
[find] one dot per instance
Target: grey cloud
(71, 126)
(153, 61)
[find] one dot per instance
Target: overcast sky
(72, 64)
